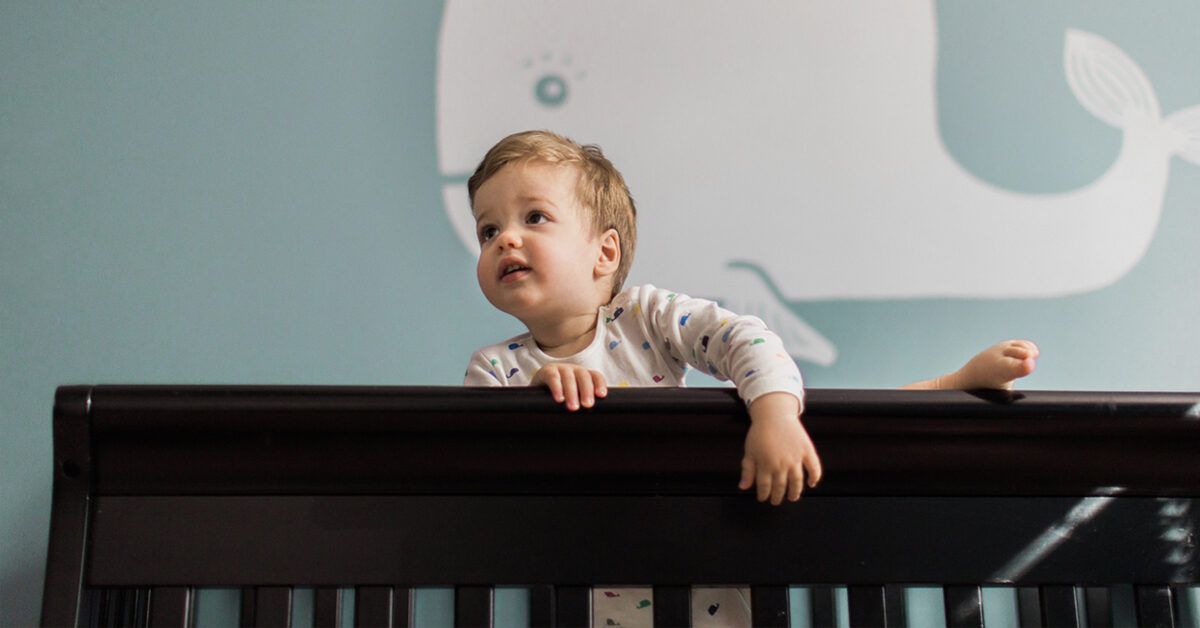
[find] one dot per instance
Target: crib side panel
(668, 540)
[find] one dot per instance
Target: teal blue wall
(225, 192)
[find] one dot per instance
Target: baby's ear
(610, 253)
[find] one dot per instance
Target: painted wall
(225, 192)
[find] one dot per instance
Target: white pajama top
(647, 336)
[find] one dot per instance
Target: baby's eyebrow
(537, 199)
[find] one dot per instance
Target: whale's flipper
(1106, 81)
(759, 297)
(1184, 127)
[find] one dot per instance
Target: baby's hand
(575, 385)
(779, 453)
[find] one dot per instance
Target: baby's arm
(779, 455)
(481, 372)
(996, 367)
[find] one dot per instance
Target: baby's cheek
(481, 280)
(479, 272)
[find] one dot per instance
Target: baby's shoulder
(645, 293)
(646, 300)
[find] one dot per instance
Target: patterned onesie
(649, 337)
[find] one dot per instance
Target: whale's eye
(556, 75)
(551, 90)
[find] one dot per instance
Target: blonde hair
(601, 189)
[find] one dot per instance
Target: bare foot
(996, 367)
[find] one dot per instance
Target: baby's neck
(565, 337)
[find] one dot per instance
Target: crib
(159, 490)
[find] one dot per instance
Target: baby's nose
(509, 238)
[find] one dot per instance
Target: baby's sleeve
(481, 372)
(724, 344)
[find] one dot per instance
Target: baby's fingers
(598, 384)
(765, 485)
(747, 474)
(779, 487)
(796, 483)
(553, 381)
(570, 390)
(812, 464)
(587, 393)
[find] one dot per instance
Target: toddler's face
(537, 253)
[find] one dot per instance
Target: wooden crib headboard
(160, 489)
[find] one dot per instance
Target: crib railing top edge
(453, 440)
(233, 406)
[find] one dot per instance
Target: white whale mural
(790, 151)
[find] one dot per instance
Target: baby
(557, 228)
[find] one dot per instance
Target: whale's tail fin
(764, 300)
(1106, 81)
(1113, 88)
(1184, 126)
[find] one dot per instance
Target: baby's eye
(537, 218)
(487, 233)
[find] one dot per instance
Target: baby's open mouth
(512, 269)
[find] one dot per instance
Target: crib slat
(1154, 607)
(964, 607)
(822, 607)
(877, 606)
(1029, 607)
(112, 606)
(572, 607)
(125, 606)
(115, 607)
(265, 606)
(867, 606)
(473, 606)
(327, 607)
(541, 606)
(141, 607)
(89, 609)
(103, 608)
(373, 607)
(1099, 607)
(1059, 606)
(769, 606)
(896, 609)
(246, 611)
(126, 598)
(273, 607)
(403, 604)
(672, 606)
(171, 607)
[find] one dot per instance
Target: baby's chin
(532, 304)
(521, 307)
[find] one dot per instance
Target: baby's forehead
(546, 173)
(531, 181)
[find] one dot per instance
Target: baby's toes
(1021, 368)
(1020, 349)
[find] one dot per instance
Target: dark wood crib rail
(160, 489)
